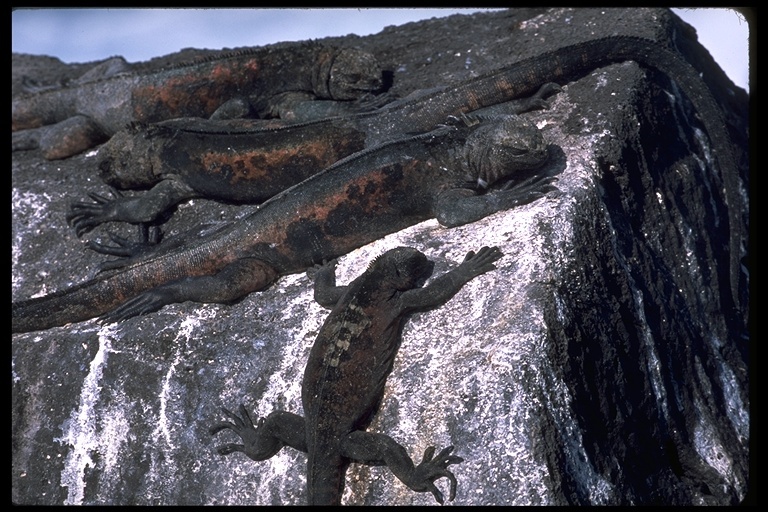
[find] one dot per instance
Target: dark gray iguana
(413, 115)
(346, 372)
(262, 82)
(357, 200)
(308, 234)
(238, 160)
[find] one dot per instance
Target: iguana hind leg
(266, 437)
(71, 137)
(379, 449)
(61, 140)
(231, 283)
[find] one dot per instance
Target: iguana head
(348, 74)
(402, 268)
(125, 160)
(500, 147)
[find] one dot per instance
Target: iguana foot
(149, 238)
(326, 266)
(475, 264)
(257, 444)
(538, 101)
(151, 206)
(535, 187)
(424, 475)
(84, 216)
(147, 302)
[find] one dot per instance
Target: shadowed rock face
(597, 364)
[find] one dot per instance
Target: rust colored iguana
(308, 234)
(239, 161)
(413, 115)
(64, 121)
(357, 200)
(346, 372)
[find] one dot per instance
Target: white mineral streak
(84, 433)
(169, 429)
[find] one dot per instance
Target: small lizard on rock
(67, 120)
(359, 199)
(346, 372)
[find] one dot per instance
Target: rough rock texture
(594, 366)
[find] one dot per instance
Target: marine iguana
(357, 200)
(238, 160)
(262, 82)
(346, 372)
(423, 112)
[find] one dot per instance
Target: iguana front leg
(147, 207)
(327, 294)
(379, 449)
(266, 438)
(447, 285)
(459, 206)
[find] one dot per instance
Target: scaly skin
(241, 161)
(354, 202)
(424, 112)
(247, 82)
(236, 161)
(318, 224)
(346, 372)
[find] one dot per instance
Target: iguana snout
(125, 165)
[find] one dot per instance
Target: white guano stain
(83, 431)
(25, 205)
(163, 465)
(185, 332)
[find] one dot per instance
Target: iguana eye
(517, 151)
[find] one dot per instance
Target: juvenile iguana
(346, 372)
(354, 202)
(67, 120)
(423, 112)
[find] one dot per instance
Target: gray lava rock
(596, 365)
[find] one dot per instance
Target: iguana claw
(431, 469)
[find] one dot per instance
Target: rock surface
(594, 366)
